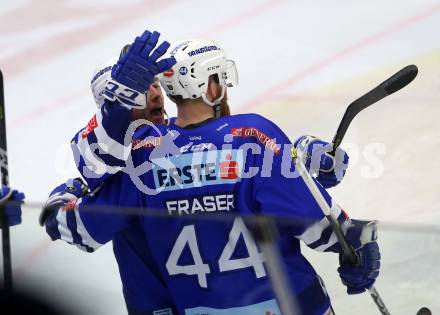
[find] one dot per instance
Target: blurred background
(300, 64)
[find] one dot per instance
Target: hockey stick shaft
(265, 233)
(6, 242)
(393, 84)
(348, 251)
(396, 82)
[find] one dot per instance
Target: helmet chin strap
(167, 118)
(216, 104)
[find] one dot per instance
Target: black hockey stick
(348, 252)
(389, 86)
(396, 82)
(6, 243)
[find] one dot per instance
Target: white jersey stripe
(82, 231)
(314, 232)
(333, 240)
(65, 233)
(111, 146)
(94, 166)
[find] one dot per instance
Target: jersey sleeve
(102, 147)
(95, 219)
(281, 192)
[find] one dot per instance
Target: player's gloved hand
(135, 70)
(362, 237)
(64, 195)
(329, 170)
(12, 200)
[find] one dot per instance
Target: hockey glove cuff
(128, 98)
(61, 196)
(362, 237)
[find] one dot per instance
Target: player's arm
(284, 194)
(292, 200)
(87, 220)
(102, 147)
(361, 235)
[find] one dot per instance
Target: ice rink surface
(300, 64)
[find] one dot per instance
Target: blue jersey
(186, 180)
(99, 154)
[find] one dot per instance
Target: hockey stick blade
(389, 86)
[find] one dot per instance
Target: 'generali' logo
(251, 132)
(148, 143)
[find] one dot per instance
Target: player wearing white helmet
(201, 76)
(144, 293)
(197, 63)
(154, 110)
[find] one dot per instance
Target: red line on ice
(42, 110)
(270, 94)
(29, 260)
(235, 20)
(64, 43)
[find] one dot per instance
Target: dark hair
(214, 77)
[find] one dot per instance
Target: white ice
(300, 64)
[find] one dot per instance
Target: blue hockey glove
(62, 195)
(12, 201)
(362, 237)
(135, 70)
(329, 170)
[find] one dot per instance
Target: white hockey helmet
(99, 79)
(100, 76)
(197, 60)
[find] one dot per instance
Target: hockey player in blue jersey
(238, 165)
(97, 143)
(140, 299)
(154, 103)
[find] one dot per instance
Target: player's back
(207, 256)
